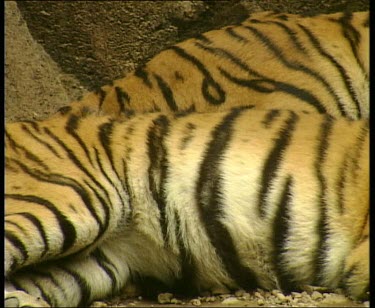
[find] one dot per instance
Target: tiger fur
(244, 198)
(276, 61)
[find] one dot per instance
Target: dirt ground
(45, 68)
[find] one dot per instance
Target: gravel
(310, 297)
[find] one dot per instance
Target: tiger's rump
(276, 61)
(244, 198)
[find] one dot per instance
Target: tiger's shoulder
(273, 60)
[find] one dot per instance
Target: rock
(98, 304)
(334, 299)
(281, 297)
(175, 301)
(196, 302)
(316, 295)
(231, 301)
(275, 292)
(239, 293)
(296, 295)
(260, 302)
(165, 298)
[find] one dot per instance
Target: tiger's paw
(22, 299)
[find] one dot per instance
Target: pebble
(258, 295)
(296, 294)
(196, 302)
(165, 298)
(175, 301)
(260, 302)
(275, 292)
(98, 304)
(239, 293)
(245, 296)
(281, 297)
(316, 295)
(231, 301)
(334, 299)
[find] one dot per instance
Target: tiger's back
(276, 61)
(243, 198)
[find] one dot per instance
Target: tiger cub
(277, 61)
(244, 198)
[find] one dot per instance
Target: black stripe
(83, 285)
(352, 35)
(67, 228)
(189, 134)
(75, 160)
(105, 137)
(105, 205)
(47, 297)
(30, 156)
(61, 180)
(263, 84)
(273, 160)
(42, 142)
(341, 184)
(344, 76)
(271, 116)
(15, 224)
(15, 283)
(322, 227)
(359, 151)
(71, 127)
(141, 73)
(16, 242)
(122, 99)
(101, 94)
(110, 269)
(210, 204)
(37, 224)
(203, 38)
(211, 90)
(110, 179)
(235, 35)
(293, 35)
(270, 86)
(167, 93)
(281, 227)
(47, 273)
(128, 191)
(64, 110)
(293, 65)
(157, 171)
(186, 283)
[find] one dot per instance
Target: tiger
(273, 60)
(242, 198)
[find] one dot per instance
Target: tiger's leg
(71, 217)
(357, 271)
(69, 282)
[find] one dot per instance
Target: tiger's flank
(245, 198)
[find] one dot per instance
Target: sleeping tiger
(276, 61)
(243, 198)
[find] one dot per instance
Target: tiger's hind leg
(356, 279)
(68, 282)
